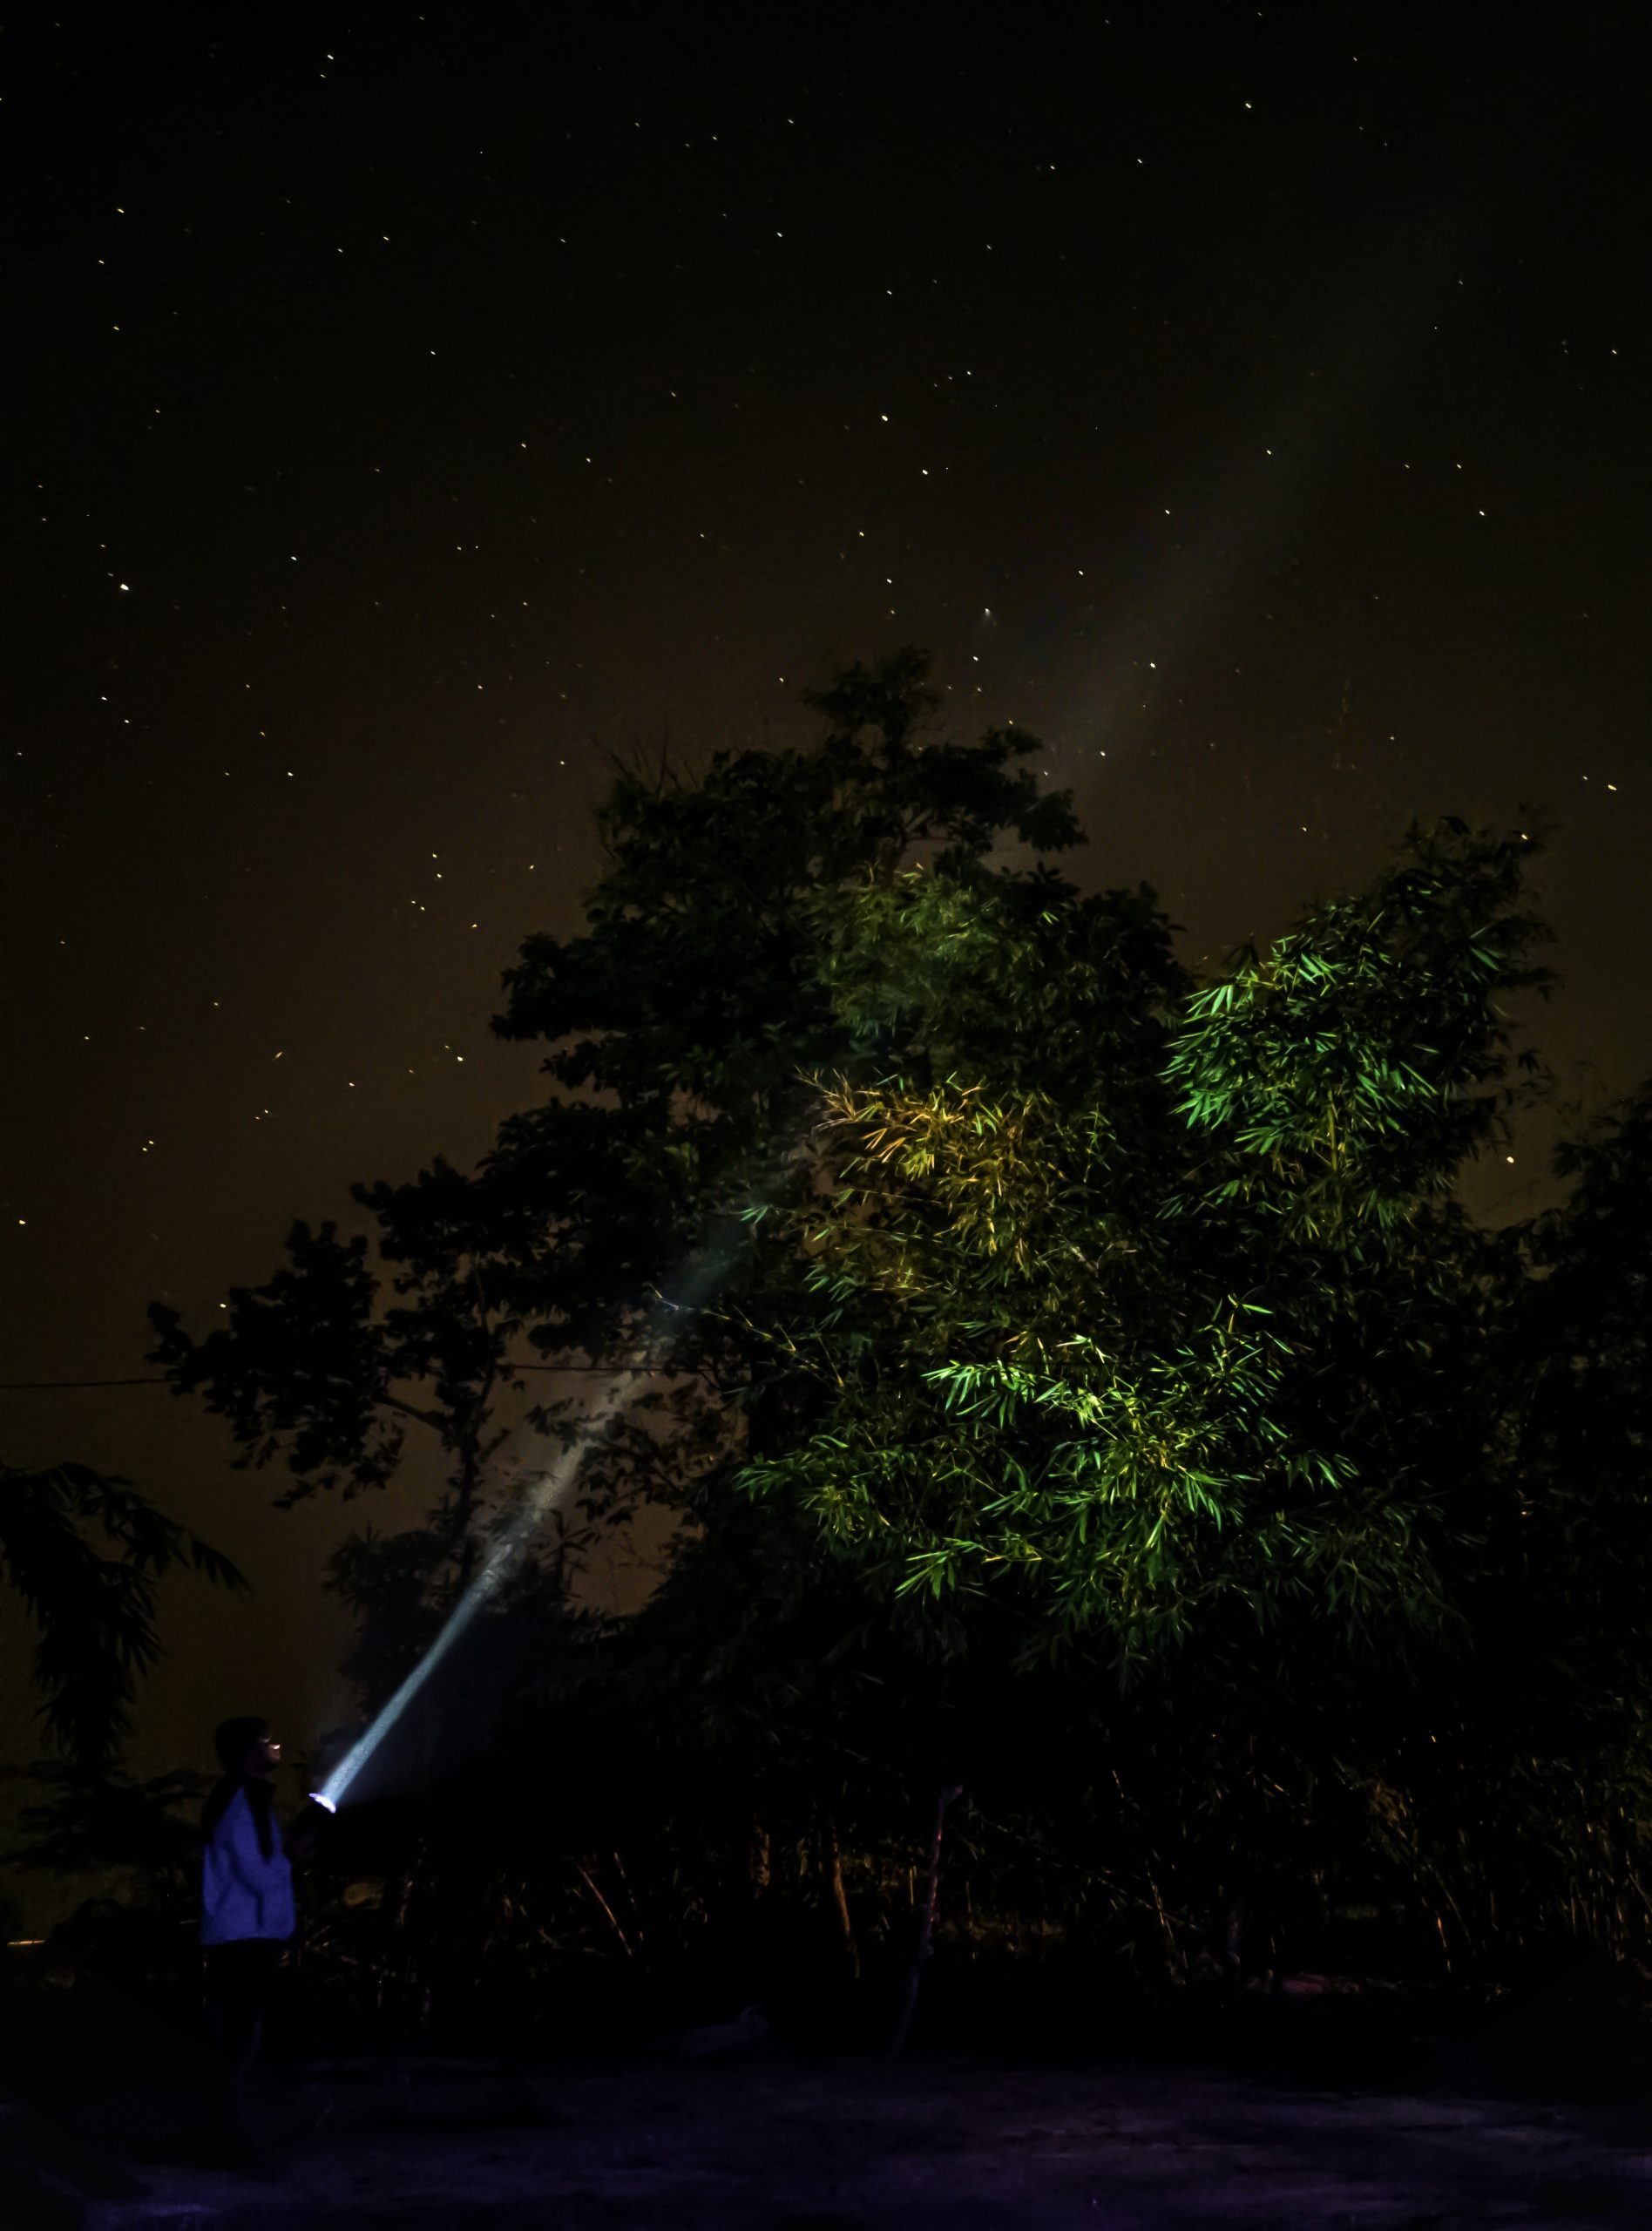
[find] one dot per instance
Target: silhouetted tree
(85, 1553)
(679, 1027)
(1081, 1382)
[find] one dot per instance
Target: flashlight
(327, 1804)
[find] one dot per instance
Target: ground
(777, 2141)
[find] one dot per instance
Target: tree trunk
(840, 1900)
(925, 1921)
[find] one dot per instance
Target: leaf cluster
(1146, 1314)
(85, 1553)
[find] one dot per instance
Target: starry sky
(408, 411)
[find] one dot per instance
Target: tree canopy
(1153, 1305)
(1080, 1377)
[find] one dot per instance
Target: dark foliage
(1044, 1373)
(85, 1553)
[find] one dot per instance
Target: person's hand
(300, 1840)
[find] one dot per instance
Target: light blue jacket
(243, 1894)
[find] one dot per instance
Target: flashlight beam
(501, 1560)
(703, 1277)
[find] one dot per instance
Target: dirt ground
(775, 2141)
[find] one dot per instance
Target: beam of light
(501, 1560)
(702, 1276)
(1372, 336)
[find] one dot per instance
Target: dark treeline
(1089, 1390)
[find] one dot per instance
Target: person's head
(244, 1745)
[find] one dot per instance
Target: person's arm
(235, 1875)
(299, 1841)
(234, 1844)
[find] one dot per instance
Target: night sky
(406, 412)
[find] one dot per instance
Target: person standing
(247, 1915)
